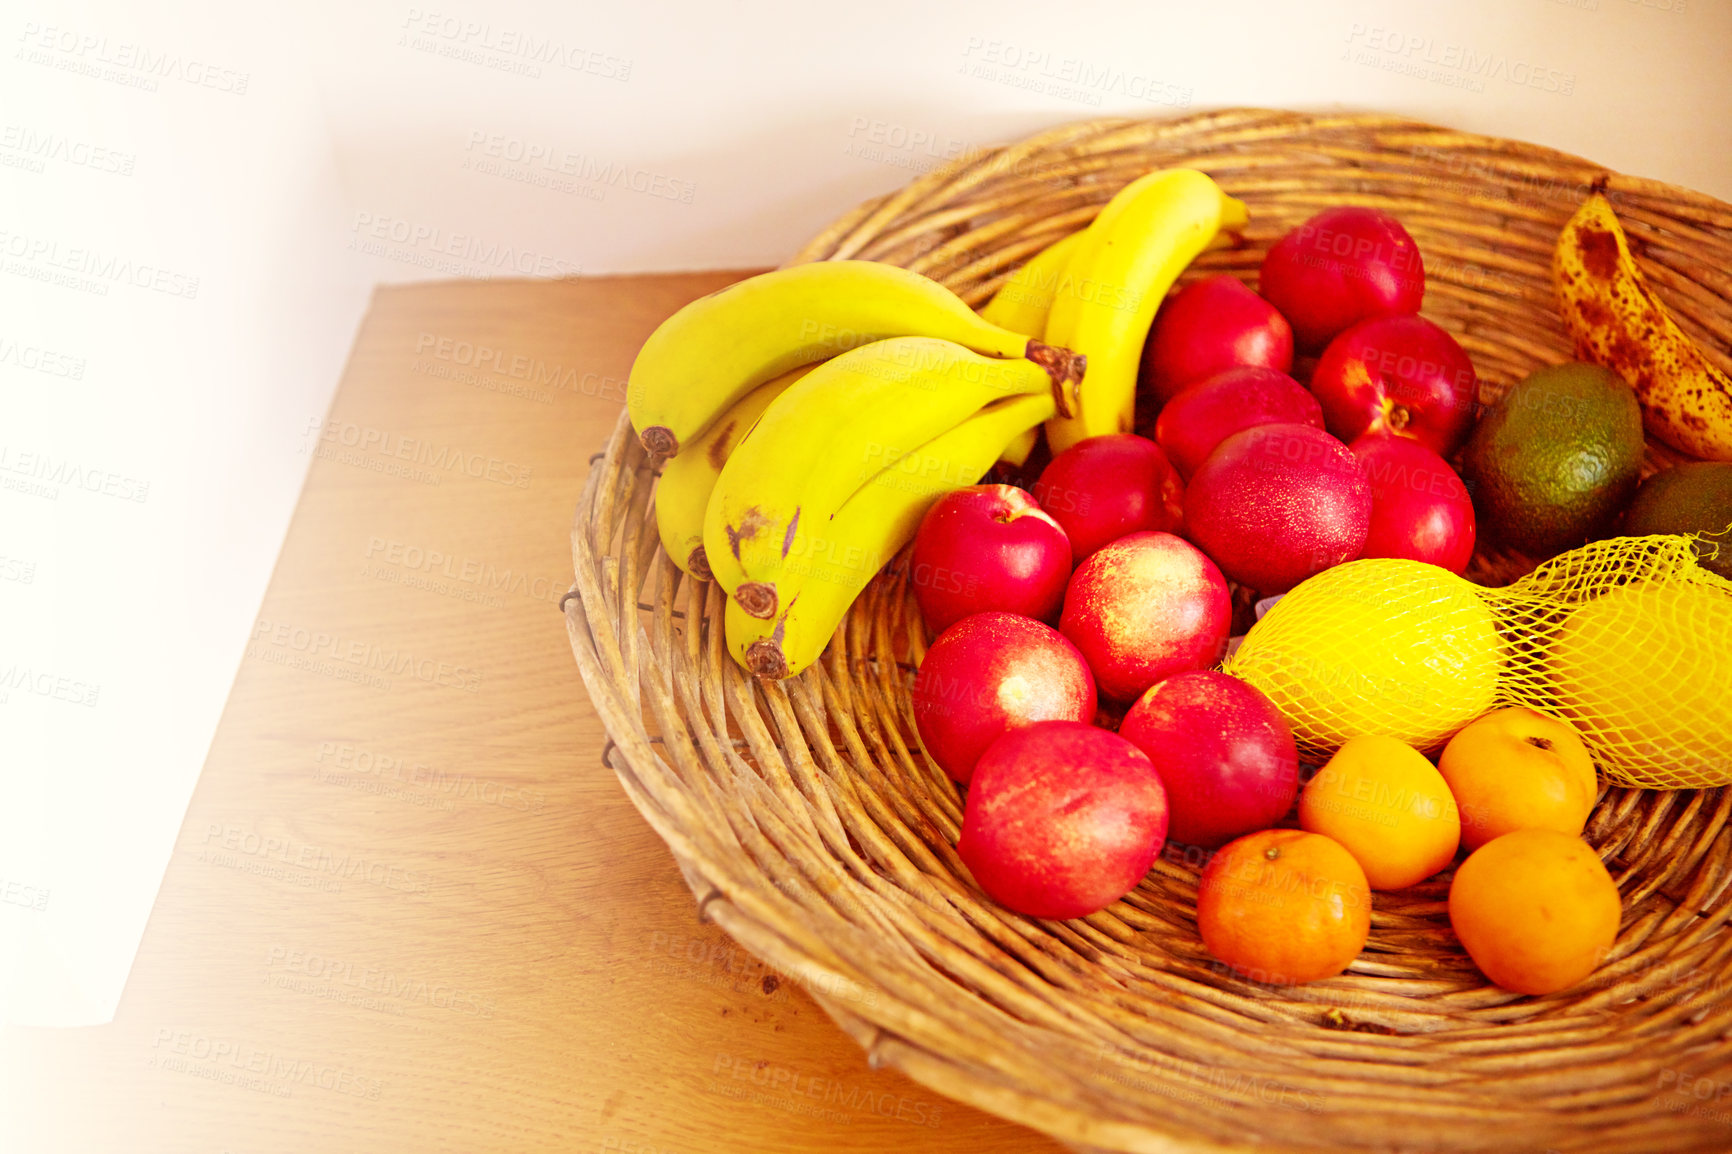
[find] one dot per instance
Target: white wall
(170, 314)
(766, 112)
(286, 158)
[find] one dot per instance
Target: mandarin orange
(1284, 906)
(1536, 910)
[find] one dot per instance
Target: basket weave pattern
(812, 829)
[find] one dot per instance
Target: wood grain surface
(409, 909)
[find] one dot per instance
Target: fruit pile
(1316, 444)
(812, 414)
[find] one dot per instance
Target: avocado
(1556, 459)
(1692, 498)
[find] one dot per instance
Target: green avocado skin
(1692, 498)
(1556, 459)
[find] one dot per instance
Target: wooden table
(409, 909)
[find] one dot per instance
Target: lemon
(1645, 671)
(1379, 646)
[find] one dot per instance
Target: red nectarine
(991, 672)
(1276, 503)
(1210, 325)
(1215, 408)
(1338, 268)
(988, 547)
(1102, 488)
(1062, 819)
(1223, 751)
(1146, 606)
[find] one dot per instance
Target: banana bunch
(705, 358)
(1618, 322)
(866, 531)
(829, 434)
(688, 479)
(820, 410)
(1113, 281)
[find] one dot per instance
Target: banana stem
(765, 659)
(1064, 367)
(660, 440)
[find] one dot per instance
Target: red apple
(1144, 607)
(1213, 324)
(1340, 267)
(1276, 503)
(1223, 751)
(1213, 409)
(1062, 819)
(1419, 507)
(1100, 489)
(992, 672)
(988, 547)
(1400, 375)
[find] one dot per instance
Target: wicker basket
(811, 828)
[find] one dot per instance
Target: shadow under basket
(812, 829)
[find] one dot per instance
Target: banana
(1619, 323)
(1083, 255)
(868, 530)
(687, 481)
(1021, 305)
(1017, 452)
(828, 434)
(714, 351)
(1023, 302)
(1118, 274)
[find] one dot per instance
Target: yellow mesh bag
(1381, 646)
(1629, 639)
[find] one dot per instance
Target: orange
(1518, 769)
(1284, 906)
(1535, 909)
(1389, 806)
